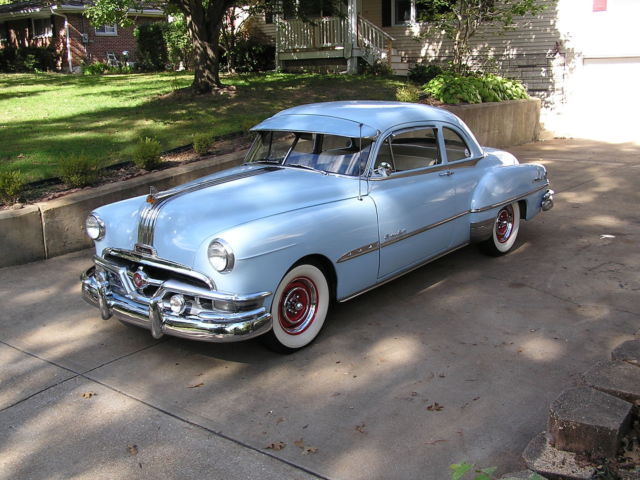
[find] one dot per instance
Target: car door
(461, 159)
(413, 191)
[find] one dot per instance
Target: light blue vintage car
(334, 199)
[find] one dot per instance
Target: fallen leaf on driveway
(280, 420)
(196, 385)
(440, 440)
(360, 428)
(435, 407)
(89, 394)
(306, 450)
(132, 449)
(276, 446)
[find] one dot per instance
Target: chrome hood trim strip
(149, 215)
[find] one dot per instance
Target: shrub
(252, 56)
(380, 68)
(101, 68)
(421, 73)
(27, 59)
(408, 93)
(147, 153)
(79, 170)
(152, 50)
(451, 88)
(96, 68)
(494, 88)
(178, 42)
(11, 184)
(201, 143)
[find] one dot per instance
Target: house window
(42, 27)
(405, 11)
(107, 30)
(3, 33)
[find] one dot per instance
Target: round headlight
(94, 227)
(220, 255)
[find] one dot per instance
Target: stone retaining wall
(53, 228)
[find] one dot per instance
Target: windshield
(316, 151)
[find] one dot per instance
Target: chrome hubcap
(298, 305)
(504, 224)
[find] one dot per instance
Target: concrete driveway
(457, 361)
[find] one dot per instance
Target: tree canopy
(204, 19)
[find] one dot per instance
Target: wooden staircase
(336, 38)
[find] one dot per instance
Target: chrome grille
(157, 270)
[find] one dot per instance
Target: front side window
(107, 30)
(316, 151)
(455, 145)
(411, 149)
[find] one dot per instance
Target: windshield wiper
(306, 167)
(266, 160)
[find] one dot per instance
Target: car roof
(353, 118)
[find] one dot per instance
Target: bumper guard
(231, 318)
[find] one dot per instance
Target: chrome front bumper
(547, 201)
(230, 318)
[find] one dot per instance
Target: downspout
(67, 39)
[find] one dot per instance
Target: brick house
(64, 28)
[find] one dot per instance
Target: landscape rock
(552, 463)
(617, 378)
(628, 352)
(587, 421)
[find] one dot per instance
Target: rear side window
(454, 144)
(411, 149)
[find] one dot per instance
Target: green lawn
(46, 117)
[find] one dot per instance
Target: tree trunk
(203, 24)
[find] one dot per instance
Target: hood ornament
(151, 198)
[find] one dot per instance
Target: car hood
(181, 219)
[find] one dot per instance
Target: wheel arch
(326, 267)
(522, 203)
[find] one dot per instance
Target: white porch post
(352, 18)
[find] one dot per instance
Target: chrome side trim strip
(403, 272)
(511, 200)
(404, 236)
(369, 247)
(149, 215)
(391, 239)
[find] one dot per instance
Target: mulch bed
(54, 188)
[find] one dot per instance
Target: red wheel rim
(504, 224)
(298, 305)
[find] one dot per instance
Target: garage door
(607, 101)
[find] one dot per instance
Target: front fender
(265, 249)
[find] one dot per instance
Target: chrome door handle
(448, 173)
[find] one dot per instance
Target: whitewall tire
(299, 309)
(505, 229)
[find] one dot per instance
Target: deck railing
(322, 33)
(332, 33)
(372, 36)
